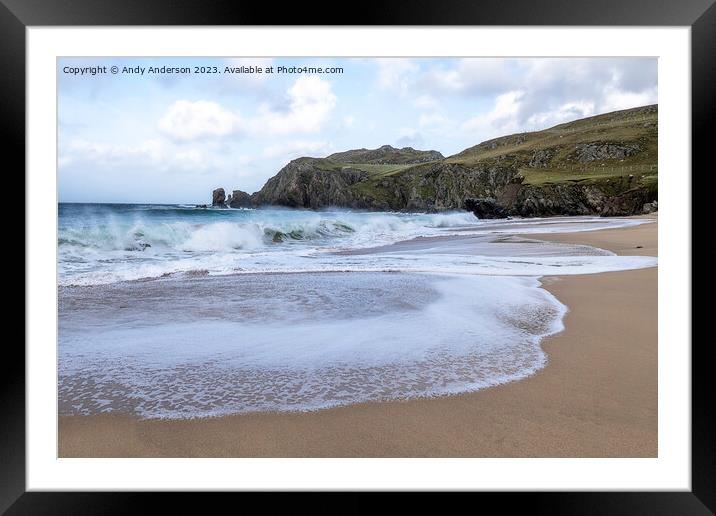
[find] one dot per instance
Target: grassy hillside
(374, 170)
(606, 164)
(590, 150)
(594, 149)
(386, 155)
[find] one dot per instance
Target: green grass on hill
(377, 171)
(542, 176)
(629, 126)
(563, 146)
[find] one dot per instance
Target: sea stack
(240, 199)
(218, 197)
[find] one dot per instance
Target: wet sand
(597, 397)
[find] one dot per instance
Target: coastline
(597, 396)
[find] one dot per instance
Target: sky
(156, 137)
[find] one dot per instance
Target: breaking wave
(100, 244)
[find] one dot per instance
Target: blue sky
(172, 138)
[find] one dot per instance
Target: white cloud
(432, 120)
(152, 154)
(500, 120)
(310, 103)
(396, 74)
(186, 120)
(297, 148)
(426, 102)
(410, 138)
(615, 99)
(554, 89)
(477, 76)
(564, 113)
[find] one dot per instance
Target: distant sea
(177, 311)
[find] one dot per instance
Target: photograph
(357, 257)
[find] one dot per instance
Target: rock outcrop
(240, 199)
(218, 197)
(485, 208)
(588, 152)
(309, 183)
(540, 158)
(617, 198)
(577, 168)
(650, 207)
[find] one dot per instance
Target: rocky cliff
(604, 165)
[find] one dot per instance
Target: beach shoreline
(597, 396)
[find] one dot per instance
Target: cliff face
(303, 183)
(600, 165)
(309, 183)
(622, 197)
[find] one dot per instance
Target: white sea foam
(212, 329)
(432, 335)
(111, 244)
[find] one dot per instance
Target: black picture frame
(16, 15)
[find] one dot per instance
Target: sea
(179, 311)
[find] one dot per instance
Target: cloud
(396, 74)
(186, 120)
(469, 76)
(553, 89)
(566, 112)
(308, 105)
(432, 120)
(296, 149)
(410, 138)
(615, 99)
(425, 102)
(149, 154)
(310, 102)
(500, 119)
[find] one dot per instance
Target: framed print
(429, 250)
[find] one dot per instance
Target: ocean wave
(165, 231)
(101, 244)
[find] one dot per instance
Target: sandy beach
(597, 397)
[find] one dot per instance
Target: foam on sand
(317, 341)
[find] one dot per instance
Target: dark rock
(630, 202)
(305, 183)
(240, 199)
(218, 197)
(488, 190)
(540, 158)
(485, 208)
(588, 152)
(650, 207)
